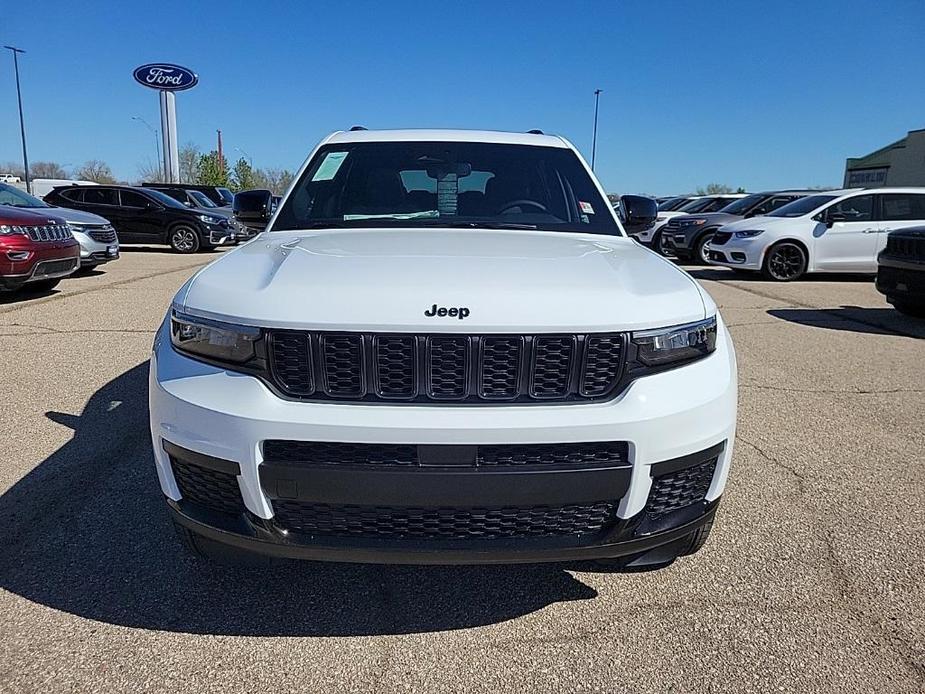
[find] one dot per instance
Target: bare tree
(189, 163)
(715, 189)
(96, 171)
(276, 180)
(11, 167)
(47, 169)
(149, 172)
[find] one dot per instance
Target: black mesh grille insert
(448, 358)
(342, 358)
(552, 366)
(721, 237)
(291, 362)
(443, 523)
(340, 453)
(368, 367)
(499, 372)
(676, 490)
(395, 366)
(602, 364)
(564, 454)
(218, 491)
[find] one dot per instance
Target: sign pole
(167, 78)
(169, 135)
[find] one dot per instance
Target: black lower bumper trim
(251, 535)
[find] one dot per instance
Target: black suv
(141, 215)
(220, 195)
(901, 271)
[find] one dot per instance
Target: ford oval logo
(171, 78)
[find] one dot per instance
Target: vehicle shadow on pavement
(86, 532)
(874, 321)
(722, 273)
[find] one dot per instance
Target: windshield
(14, 197)
(201, 199)
(461, 184)
(697, 205)
(801, 206)
(743, 205)
(165, 199)
(226, 195)
(672, 204)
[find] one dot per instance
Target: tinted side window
(133, 199)
(902, 206)
(771, 204)
(717, 204)
(100, 196)
(74, 194)
(856, 209)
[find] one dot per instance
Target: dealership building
(901, 163)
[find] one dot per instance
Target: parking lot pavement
(812, 579)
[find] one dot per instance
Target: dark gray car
(687, 236)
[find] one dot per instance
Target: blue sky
(755, 94)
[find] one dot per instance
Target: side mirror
(829, 218)
(637, 210)
(253, 206)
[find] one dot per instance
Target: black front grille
(470, 523)
(720, 237)
(215, 490)
(55, 267)
(677, 490)
(557, 454)
(906, 246)
(448, 368)
(103, 235)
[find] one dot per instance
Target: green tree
(714, 189)
(244, 177)
(213, 170)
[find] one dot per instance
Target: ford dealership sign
(171, 78)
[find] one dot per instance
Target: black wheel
(784, 262)
(43, 285)
(701, 256)
(660, 245)
(207, 550)
(908, 308)
(183, 239)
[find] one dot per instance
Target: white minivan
(832, 231)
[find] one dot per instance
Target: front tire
(784, 262)
(660, 247)
(700, 248)
(183, 239)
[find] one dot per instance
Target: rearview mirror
(638, 210)
(253, 206)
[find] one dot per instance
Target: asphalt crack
(833, 391)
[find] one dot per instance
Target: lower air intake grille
(218, 491)
(442, 523)
(676, 490)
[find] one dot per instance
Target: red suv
(37, 249)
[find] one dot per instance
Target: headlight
(209, 219)
(679, 343)
(7, 230)
(214, 340)
(748, 233)
(79, 228)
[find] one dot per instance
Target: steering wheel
(521, 203)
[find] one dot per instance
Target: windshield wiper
(479, 225)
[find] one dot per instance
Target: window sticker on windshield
(586, 207)
(330, 166)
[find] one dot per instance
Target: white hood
(385, 279)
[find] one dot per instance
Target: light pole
(157, 144)
(22, 123)
(597, 99)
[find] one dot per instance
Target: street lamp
(22, 123)
(157, 144)
(597, 99)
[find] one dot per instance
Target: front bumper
(222, 419)
(22, 261)
(901, 279)
(93, 252)
(741, 254)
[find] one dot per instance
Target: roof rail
(358, 127)
(535, 131)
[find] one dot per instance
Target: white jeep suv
(443, 349)
(832, 231)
